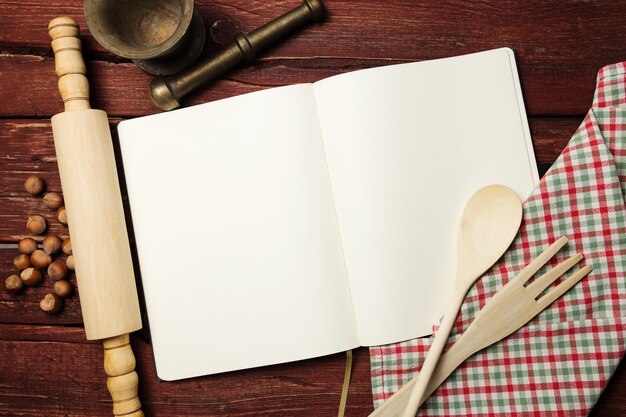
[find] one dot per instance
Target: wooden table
(46, 365)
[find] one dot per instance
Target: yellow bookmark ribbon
(346, 384)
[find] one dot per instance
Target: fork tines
(537, 287)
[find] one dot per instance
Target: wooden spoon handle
(395, 405)
(434, 352)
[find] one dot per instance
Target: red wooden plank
(118, 88)
(62, 375)
(401, 29)
(42, 333)
(122, 89)
(558, 71)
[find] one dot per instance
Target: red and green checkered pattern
(558, 364)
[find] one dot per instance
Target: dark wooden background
(47, 368)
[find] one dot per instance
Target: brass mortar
(161, 36)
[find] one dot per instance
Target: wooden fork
(510, 308)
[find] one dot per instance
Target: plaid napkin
(559, 363)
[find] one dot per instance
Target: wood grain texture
(47, 368)
(53, 371)
(122, 89)
(557, 65)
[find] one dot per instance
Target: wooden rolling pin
(104, 269)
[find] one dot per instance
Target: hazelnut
(51, 244)
(13, 284)
(30, 276)
(62, 215)
(40, 259)
(63, 288)
(57, 270)
(69, 262)
(27, 245)
(66, 246)
(21, 262)
(51, 303)
(36, 224)
(34, 185)
(53, 200)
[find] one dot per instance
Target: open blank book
(311, 219)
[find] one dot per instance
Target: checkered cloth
(559, 363)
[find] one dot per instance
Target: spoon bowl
(488, 225)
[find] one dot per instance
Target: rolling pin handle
(122, 381)
(69, 63)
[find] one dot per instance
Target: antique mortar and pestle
(165, 38)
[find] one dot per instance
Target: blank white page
(237, 238)
(406, 146)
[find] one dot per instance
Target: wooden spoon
(489, 223)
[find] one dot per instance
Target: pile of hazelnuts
(32, 260)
